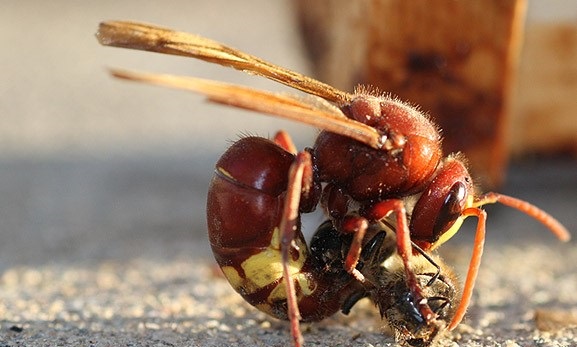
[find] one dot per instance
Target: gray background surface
(102, 188)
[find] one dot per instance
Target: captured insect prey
(376, 169)
(385, 281)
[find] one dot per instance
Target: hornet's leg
(284, 141)
(300, 180)
(473, 265)
(404, 248)
(358, 227)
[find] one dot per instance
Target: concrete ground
(102, 188)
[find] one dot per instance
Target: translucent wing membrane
(157, 39)
(270, 103)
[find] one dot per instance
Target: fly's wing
(152, 38)
(304, 111)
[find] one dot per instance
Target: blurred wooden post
(544, 118)
(455, 59)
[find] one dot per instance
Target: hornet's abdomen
(244, 208)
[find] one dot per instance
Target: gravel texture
(181, 302)
(145, 279)
(102, 188)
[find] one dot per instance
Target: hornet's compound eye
(451, 209)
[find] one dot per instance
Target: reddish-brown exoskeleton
(376, 159)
